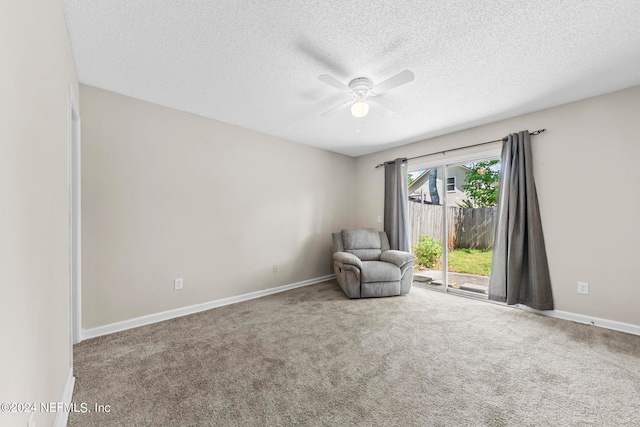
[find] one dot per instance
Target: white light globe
(359, 109)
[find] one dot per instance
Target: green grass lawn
(471, 261)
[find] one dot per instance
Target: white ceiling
(255, 63)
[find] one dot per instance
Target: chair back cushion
(363, 243)
(337, 242)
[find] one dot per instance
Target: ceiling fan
(361, 90)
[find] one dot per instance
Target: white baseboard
(67, 393)
(588, 320)
(184, 311)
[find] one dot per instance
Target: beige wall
(578, 166)
(37, 69)
(169, 195)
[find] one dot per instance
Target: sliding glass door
(426, 192)
(452, 216)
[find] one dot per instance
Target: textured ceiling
(255, 63)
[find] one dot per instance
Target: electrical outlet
(379, 219)
(275, 268)
(177, 284)
(583, 288)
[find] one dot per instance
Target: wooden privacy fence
(468, 228)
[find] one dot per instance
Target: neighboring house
(456, 178)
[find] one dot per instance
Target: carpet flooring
(312, 357)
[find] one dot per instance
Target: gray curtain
(396, 209)
(519, 273)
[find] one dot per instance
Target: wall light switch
(177, 284)
(379, 219)
(583, 288)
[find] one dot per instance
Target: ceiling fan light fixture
(361, 89)
(360, 109)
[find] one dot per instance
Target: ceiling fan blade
(333, 110)
(399, 79)
(379, 109)
(332, 81)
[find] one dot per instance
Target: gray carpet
(311, 356)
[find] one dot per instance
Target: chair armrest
(347, 258)
(398, 258)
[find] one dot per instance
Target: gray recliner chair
(366, 267)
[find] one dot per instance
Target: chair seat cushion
(379, 271)
(366, 254)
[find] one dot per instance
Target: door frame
(75, 222)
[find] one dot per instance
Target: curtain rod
(537, 132)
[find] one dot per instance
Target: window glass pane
(451, 184)
(426, 197)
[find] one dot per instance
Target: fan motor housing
(360, 84)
